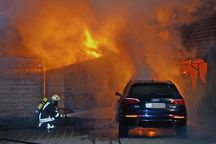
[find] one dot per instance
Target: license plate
(155, 105)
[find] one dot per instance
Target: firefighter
(49, 114)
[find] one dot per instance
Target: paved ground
(105, 132)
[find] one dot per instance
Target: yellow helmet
(55, 98)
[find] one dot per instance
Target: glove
(62, 115)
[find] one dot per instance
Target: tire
(123, 130)
(181, 132)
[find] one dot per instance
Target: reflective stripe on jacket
(48, 113)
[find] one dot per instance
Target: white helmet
(55, 98)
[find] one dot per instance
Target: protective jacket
(48, 115)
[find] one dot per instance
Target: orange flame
(91, 45)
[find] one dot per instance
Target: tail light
(178, 116)
(131, 116)
(131, 100)
(178, 101)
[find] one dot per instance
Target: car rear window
(160, 90)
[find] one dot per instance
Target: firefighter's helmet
(55, 98)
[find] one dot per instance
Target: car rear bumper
(156, 121)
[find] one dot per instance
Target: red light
(132, 100)
(178, 101)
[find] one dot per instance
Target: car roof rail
(170, 82)
(151, 80)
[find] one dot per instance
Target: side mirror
(118, 94)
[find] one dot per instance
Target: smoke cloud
(54, 30)
(56, 33)
(128, 36)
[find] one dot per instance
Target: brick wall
(210, 99)
(21, 87)
(86, 85)
(71, 84)
(55, 84)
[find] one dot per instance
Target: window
(159, 90)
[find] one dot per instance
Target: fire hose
(92, 113)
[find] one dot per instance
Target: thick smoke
(54, 32)
(126, 32)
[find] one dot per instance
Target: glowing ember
(152, 133)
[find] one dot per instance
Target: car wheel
(181, 132)
(123, 130)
